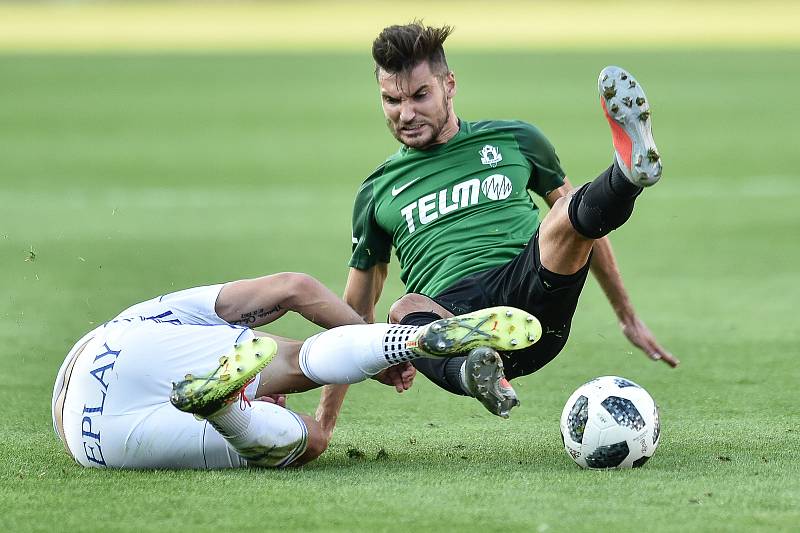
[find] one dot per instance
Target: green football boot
(501, 328)
(206, 394)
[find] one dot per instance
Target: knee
(559, 211)
(411, 303)
(557, 222)
(562, 249)
(561, 205)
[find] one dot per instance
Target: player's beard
(422, 143)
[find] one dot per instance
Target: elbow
(317, 444)
(300, 289)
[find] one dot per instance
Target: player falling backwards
(111, 401)
(454, 204)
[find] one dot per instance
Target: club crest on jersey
(490, 155)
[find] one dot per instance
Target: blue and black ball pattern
(624, 412)
(622, 383)
(656, 425)
(609, 456)
(576, 421)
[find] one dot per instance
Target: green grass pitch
(123, 177)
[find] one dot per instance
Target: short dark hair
(398, 49)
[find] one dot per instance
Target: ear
(450, 84)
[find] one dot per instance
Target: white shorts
(117, 412)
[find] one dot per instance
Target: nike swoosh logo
(398, 190)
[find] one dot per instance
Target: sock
(231, 422)
(264, 434)
(349, 354)
(234, 419)
(419, 318)
(604, 204)
(446, 373)
(621, 185)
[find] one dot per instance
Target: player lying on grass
(454, 203)
(114, 401)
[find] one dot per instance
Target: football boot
(501, 328)
(207, 393)
(486, 381)
(628, 112)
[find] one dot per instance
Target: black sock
(621, 185)
(604, 204)
(446, 373)
(419, 318)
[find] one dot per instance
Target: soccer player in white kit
(115, 396)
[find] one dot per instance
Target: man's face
(418, 105)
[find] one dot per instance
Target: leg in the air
(601, 206)
(478, 374)
(628, 113)
(347, 354)
(350, 354)
(418, 310)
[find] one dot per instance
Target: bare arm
(320, 428)
(363, 290)
(255, 302)
(330, 402)
(605, 270)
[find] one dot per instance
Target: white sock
(263, 433)
(232, 422)
(349, 354)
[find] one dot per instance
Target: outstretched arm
(605, 270)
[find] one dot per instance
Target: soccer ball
(610, 422)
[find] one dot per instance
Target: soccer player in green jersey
(454, 203)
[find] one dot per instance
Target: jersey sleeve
(371, 243)
(546, 173)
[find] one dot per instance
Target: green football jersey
(456, 208)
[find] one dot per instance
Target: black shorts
(523, 283)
